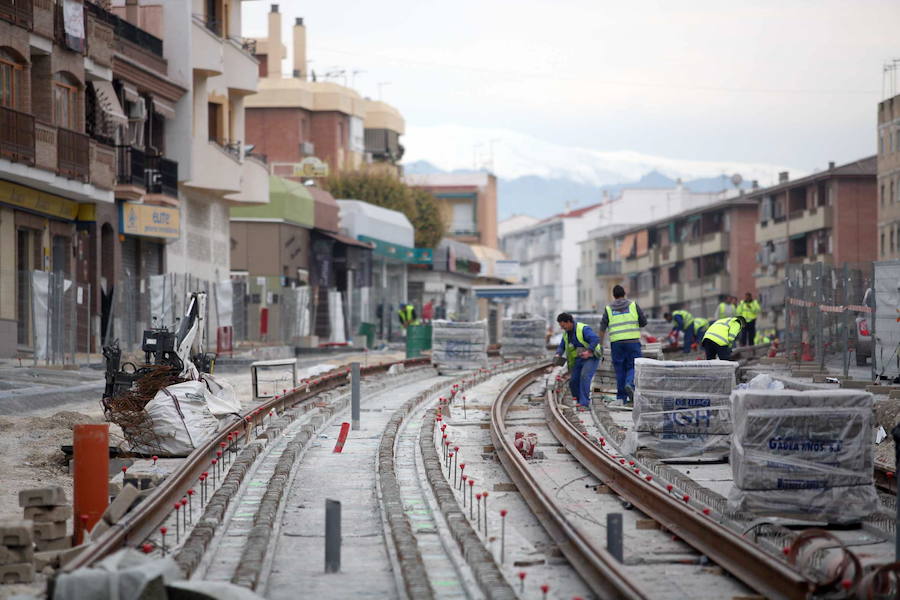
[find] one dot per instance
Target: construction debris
(16, 552)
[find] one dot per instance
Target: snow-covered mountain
(532, 171)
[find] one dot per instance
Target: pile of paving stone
(44, 529)
(459, 344)
(683, 408)
(526, 336)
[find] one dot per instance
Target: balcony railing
(73, 154)
(155, 174)
(125, 30)
(213, 24)
(609, 268)
(16, 135)
(19, 12)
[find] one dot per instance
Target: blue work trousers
(623, 355)
(581, 377)
(688, 338)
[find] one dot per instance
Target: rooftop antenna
(381, 84)
(889, 78)
(490, 163)
(353, 75)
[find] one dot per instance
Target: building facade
(686, 261)
(600, 268)
(889, 178)
(830, 216)
(54, 177)
(296, 118)
(468, 203)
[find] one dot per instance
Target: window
(881, 194)
(882, 243)
(892, 190)
(897, 139)
(65, 101)
(11, 71)
(215, 122)
(892, 241)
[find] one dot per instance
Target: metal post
(354, 395)
(895, 432)
(845, 317)
(614, 535)
(819, 300)
(332, 536)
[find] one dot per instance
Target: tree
(388, 191)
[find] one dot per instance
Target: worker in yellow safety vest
(720, 337)
(407, 315)
(749, 309)
(582, 351)
(700, 327)
(623, 319)
(683, 321)
(726, 308)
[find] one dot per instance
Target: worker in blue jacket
(582, 350)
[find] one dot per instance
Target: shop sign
(36, 201)
(311, 167)
(149, 220)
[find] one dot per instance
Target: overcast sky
(791, 82)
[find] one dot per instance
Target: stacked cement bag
(682, 408)
(803, 455)
(523, 337)
(459, 344)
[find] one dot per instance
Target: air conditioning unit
(138, 110)
(308, 148)
(153, 180)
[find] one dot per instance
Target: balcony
(811, 219)
(254, 183)
(214, 168)
(125, 30)
(648, 299)
(17, 136)
(670, 254)
(100, 39)
(241, 69)
(671, 294)
(73, 155)
(706, 287)
(103, 165)
(608, 268)
(139, 174)
(774, 229)
(18, 12)
(643, 263)
(711, 243)
(206, 49)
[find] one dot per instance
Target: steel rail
(142, 522)
(754, 566)
(600, 570)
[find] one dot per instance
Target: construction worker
(407, 315)
(582, 351)
(683, 321)
(720, 337)
(726, 308)
(749, 309)
(761, 338)
(700, 327)
(623, 319)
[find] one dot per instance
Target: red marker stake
(462, 476)
(184, 503)
(521, 582)
(463, 486)
(162, 532)
(471, 488)
(544, 589)
(484, 495)
(177, 523)
(190, 493)
(449, 464)
(478, 500)
(502, 535)
(147, 548)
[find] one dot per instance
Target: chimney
(783, 177)
(299, 49)
(274, 56)
(131, 12)
(830, 165)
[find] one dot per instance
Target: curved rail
(740, 557)
(142, 522)
(602, 572)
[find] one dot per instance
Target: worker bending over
(582, 350)
(700, 327)
(720, 337)
(749, 309)
(683, 322)
(623, 318)
(407, 315)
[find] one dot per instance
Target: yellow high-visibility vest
(623, 325)
(724, 331)
(572, 350)
(686, 318)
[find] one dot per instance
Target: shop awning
(131, 93)
(501, 291)
(109, 102)
(349, 241)
(163, 108)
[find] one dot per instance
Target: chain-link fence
(826, 312)
(54, 319)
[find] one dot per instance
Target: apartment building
(888, 167)
(549, 257)
(54, 176)
(830, 216)
(297, 118)
(600, 268)
(207, 56)
(688, 259)
(468, 203)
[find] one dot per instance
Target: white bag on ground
(184, 415)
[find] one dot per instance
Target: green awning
(289, 202)
(797, 236)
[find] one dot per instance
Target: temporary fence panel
(887, 319)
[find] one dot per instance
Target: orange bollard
(91, 477)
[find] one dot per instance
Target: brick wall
(325, 132)
(276, 132)
(742, 249)
(855, 220)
